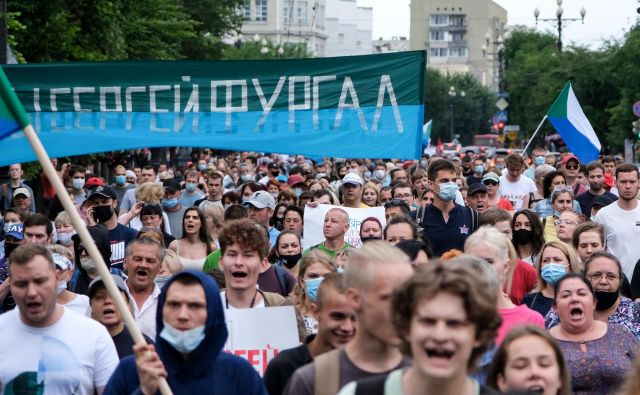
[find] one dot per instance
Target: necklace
(253, 301)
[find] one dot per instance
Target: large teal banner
(359, 106)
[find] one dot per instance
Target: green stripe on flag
(559, 107)
(11, 107)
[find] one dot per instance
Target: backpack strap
(327, 369)
(282, 279)
(474, 219)
(371, 385)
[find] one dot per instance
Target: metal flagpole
(524, 151)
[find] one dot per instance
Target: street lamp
(498, 49)
(452, 95)
(559, 22)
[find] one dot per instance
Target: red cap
(95, 181)
(568, 157)
(295, 179)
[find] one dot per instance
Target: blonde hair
(172, 260)
(60, 249)
(374, 187)
(364, 262)
(63, 218)
(500, 245)
(572, 256)
(312, 257)
(149, 192)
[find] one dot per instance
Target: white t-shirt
(73, 356)
(80, 305)
(223, 296)
(516, 191)
(622, 229)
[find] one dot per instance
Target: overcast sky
(605, 19)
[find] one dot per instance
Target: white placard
(314, 221)
(258, 335)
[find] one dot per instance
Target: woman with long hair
(527, 235)
(195, 244)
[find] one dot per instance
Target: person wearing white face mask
(64, 272)
(446, 223)
(189, 347)
(64, 231)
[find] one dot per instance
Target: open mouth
(239, 274)
(575, 312)
(536, 388)
(439, 353)
(142, 273)
(109, 312)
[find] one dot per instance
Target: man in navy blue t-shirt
(446, 224)
(101, 210)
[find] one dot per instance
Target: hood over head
(200, 359)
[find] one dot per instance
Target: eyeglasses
(565, 222)
(572, 167)
(395, 203)
(490, 182)
(401, 195)
(597, 276)
(563, 188)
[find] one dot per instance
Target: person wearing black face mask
(101, 211)
(603, 271)
(284, 257)
(527, 235)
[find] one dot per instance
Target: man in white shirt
(514, 186)
(143, 262)
(621, 219)
(47, 348)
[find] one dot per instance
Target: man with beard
(621, 219)
(101, 210)
(595, 176)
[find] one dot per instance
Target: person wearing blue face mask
(120, 185)
(189, 347)
(555, 260)
(172, 207)
(446, 224)
(191, 193)
(538, 157)
(478, 172)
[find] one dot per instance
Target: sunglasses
(490, 182)
(572, 167)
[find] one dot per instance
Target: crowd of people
(480, 276)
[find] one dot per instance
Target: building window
(437, 36)
(455, 36)
(456, 20)
(299, 16)
(245, 9)
(261, 11)
(439, 19)
(439, 52)
(459, 52)
(301, 11)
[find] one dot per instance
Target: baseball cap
(491, 176)
(352, 178)
(62, 262)
(295, 179)
(94, 182)
(16, 231)
(93, 286)
(22, 191)
(171, 185)
(261, 199)
(602, 201)
(103, 191)
(475, 188)
(568, 157)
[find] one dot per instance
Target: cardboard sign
(258, 335)
(314, 221)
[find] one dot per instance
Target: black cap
(105, 192)
(475, 188)
(171, 185)
(602, 201)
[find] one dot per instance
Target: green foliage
(265, 49)
(72, 30)
(472, 113)
(604, 81)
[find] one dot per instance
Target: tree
(265, 49)
(472, 113)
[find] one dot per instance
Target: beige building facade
(461, 36)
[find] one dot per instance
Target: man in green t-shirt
(336, 225)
